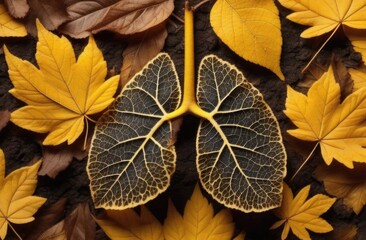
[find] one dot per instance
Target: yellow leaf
(339, 128)
(299, 215)
(359, 77)
(8, 26)
(349, 184)
(127, 224)
(17, 205)
(358, 40)
(250, 28)
(198, 222)
(63, 91)
(325, 16)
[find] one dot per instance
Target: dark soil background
(21, 148)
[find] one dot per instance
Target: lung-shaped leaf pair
(240, 156)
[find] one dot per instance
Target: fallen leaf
(339, 128)
(124, 17)
(299, 215)
(10, 27)
(127, 224)
(17, 205)
(312, 74)
(348, 184)
(198, 222)
(142, 47)
(17, 8)
(343, 231)
(358, 40)
(250, 28)
(45, 219)
(57, 159)
(62, 92)
(324, 16)
(359, 77)
(80, 224)
(51, 13)
(56, 232)
(4, 118)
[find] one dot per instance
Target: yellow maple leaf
(8, 26)
(339, 128)
(62, 92)
(325, 16)
(359, 77)
(298, 214)
(198, 222)
(17, 205)
(250, 28)
(349, 184)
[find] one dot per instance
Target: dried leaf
(56, 232)
(349, 184)
(124, 17)
(198, 222)
(343, 231)
(63, 91)
(325, 16)
(250, 28)
(79, 224)
(17, 8)
(131, 152)
(45, 218)
(51, 13)
(142, 47)
(8, 26)
(17, 205)
(57, 159)
(4, 118)
(359, 77)
(127, 224)
(339, 128)
(299, 215)
(245, 172)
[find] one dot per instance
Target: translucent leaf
(132, 154)
(240, 156)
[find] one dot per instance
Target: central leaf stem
(189, 104)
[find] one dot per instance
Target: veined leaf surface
(132, 154)
(240, 156)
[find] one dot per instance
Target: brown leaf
(45, 218)
(17, 8)
(342, 77)
(349, 184)
(121, 16)
(57, 159)
(56, 232)
(142, 47)
(313, 72)
(79, 224)
(4, 118)
(51, 13)
(343, 231)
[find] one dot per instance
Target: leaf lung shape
(240, 156)
(132, 155)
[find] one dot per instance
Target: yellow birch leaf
(300, 215)
(17, 205)
(325, 16)
(348, 184)
(339, 128)
(62, 92)
(250, 28)
(8, 26)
